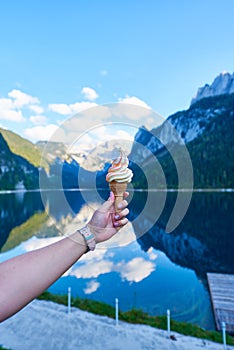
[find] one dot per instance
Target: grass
(138, 317)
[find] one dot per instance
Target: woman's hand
(105, 222)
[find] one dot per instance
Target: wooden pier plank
(222, 297)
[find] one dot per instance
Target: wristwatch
(89, 238)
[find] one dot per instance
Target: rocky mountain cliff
(223, 84)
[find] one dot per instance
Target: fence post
(168, 324)
(224, 335)
(69, 300)
(116, 311)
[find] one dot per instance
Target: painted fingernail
(117, 217)
(120, 206)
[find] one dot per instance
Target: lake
(143, 266)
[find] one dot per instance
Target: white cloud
(22, 99)
(11, 107)
(91, 287)
(94, 270)
(81, 106)
(36, 243)
(110, 132)
(8, 112)
(89, 93)
(132, 109)
(133, 100)
(68, 109)
(97, 137)
(6, 104)
(38, 119)
(60, 108)
(127, 111)
(152, 254)
(11, 115)
(97, 255)
(136, 269)
(40, 133)
(36, 109)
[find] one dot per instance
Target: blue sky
(59, 56)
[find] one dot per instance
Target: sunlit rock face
(223, 84)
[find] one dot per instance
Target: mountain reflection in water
(153, 270)
(204, 239)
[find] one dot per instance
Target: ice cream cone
(118, 177)
(118, 188)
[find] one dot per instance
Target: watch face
(86, 233)
(89, 237)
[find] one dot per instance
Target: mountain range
(205, 129)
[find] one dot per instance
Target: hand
(105, 223)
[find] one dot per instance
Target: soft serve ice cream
(119, 170)
(118, 176)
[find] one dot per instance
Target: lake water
(144, 267)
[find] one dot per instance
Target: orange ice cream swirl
(119, 170)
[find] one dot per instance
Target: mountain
(15, 171)
(206, 130)
(54, 151)
(23, 148)
(223, 84)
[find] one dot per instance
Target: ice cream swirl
(119, 170)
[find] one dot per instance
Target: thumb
(108, 204)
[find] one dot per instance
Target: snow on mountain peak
(223, 84)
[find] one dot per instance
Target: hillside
(23, 147)
(15, 171)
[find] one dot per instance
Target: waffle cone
(118, 188)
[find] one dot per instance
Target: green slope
(23, 148)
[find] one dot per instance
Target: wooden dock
(222, 296)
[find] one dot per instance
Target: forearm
(25, 277)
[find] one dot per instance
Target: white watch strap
(89, 237)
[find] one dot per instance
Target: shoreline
(47, 325)
(136, 316)
(228, 190)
